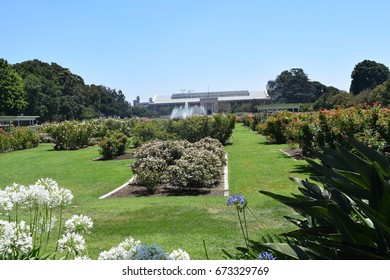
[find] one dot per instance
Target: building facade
(213, 102)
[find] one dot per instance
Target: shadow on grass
(304, 169)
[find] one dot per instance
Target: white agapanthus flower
(115, 253)
(179, 254)
(37, 195)
(126, 250)
(79, 224)
(17, 194)
(5, 203)
(72, 243)
(15, 239)
(57, 196)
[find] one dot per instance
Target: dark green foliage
(12, 95)
(333, 99)
(346, 216)
(292, 87)
(367, 75)
(55, 93)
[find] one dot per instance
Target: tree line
(55, 94)
(370, 83)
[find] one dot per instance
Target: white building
(211, 101)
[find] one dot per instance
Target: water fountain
(188, 111)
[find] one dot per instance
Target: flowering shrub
(197, 168)
(179, 163)
(70, 135)
(112, 145)
(368, 124)
(275, 126)
(131, 249)
(74, 135)
(19, 139)
(150, 171)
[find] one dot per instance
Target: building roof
(194, 97)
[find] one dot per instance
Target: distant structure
(211, 101)
(7, 122)
(137, 103)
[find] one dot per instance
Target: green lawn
(171, 222)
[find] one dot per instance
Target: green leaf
(379, 196)
(373, 156)
(350, 231)
(291, 251)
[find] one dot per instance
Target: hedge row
(19, 139)
(73, 135)
(367, 124)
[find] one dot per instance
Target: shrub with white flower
(180, 163)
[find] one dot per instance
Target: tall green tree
(292, 87)
(367, 75)
(12, 94)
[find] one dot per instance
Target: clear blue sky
(149, 47)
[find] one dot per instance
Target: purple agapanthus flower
(266, 256)
(236, 199)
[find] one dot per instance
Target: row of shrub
(367, 124)
(18, 139)
(73, 135)
(192, 129)
(180, 164)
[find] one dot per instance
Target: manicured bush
(70, 135)
(19, 139)
(275, 126)
(112, 145)
(179, 164)
(197, 168)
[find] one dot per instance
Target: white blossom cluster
(39, 200)
(73, 242)
(132, 249)
(15, 239)
(179, 163)
(44, 193)
(79, 224)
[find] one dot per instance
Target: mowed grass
(172, 222)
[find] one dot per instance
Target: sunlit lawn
(171, 222)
